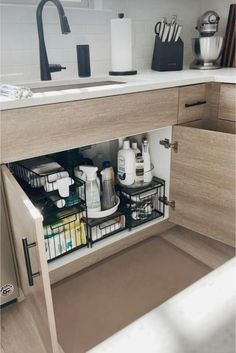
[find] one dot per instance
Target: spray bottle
(92, 188)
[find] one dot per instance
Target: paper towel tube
(121, 46)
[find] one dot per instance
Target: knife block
(167, 56)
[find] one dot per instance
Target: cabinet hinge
(166, 202)
(167, 144)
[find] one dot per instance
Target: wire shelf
(101, 228)
(141, 205)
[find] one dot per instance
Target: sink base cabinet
(199, 182)
(51, 128)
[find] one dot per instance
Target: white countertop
(144, 81)
(200, 319)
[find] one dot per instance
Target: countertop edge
(145, 82)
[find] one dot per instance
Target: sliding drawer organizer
(65, 219)
(144, 204)
(101, 228)
(64, 230)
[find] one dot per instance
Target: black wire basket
(141, 205)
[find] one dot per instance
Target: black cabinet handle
(30, 274)
(187, 105)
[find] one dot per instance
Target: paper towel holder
(125, 72)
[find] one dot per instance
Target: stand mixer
(208, 47)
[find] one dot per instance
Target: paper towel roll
(121, 44)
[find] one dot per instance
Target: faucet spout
(45, 68)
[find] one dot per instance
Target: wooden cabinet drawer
(227, 102)
(192, 103)
(35, 131)
(203, 182)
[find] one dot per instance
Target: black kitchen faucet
(45, 67)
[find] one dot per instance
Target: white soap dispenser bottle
(126, 164)
(147, 161)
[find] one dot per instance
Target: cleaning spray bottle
(92, 188)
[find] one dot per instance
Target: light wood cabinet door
(203, 182)
(26, 221)
(192, 103)
(227, 102)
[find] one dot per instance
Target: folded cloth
(15, 91)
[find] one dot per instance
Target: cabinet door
(203, 182)
(26, 221)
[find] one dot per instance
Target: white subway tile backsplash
(19, 38)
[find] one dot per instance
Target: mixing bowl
(207, 50)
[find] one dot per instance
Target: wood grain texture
(35, 131)
(203, 182)
(227, 102)
(188, 95)
(212, 98)
(103, 253)
(226, 126)
(26, 221)
(19, 332)
(209, 251)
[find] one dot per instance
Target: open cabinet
(197, 165)
(203, 181)
(27, 230)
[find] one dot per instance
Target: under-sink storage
(98, 229)
(145, 204)
(67, 227)
(61, 206)
(197, 164)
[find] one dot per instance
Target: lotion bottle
(126, 164)
(135, 148)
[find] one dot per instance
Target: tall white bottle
(126, 164)
(135, 148)
(147, 161)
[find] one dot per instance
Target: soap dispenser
(147, 161)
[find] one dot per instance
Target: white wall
(221, 7)
(19, 41)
